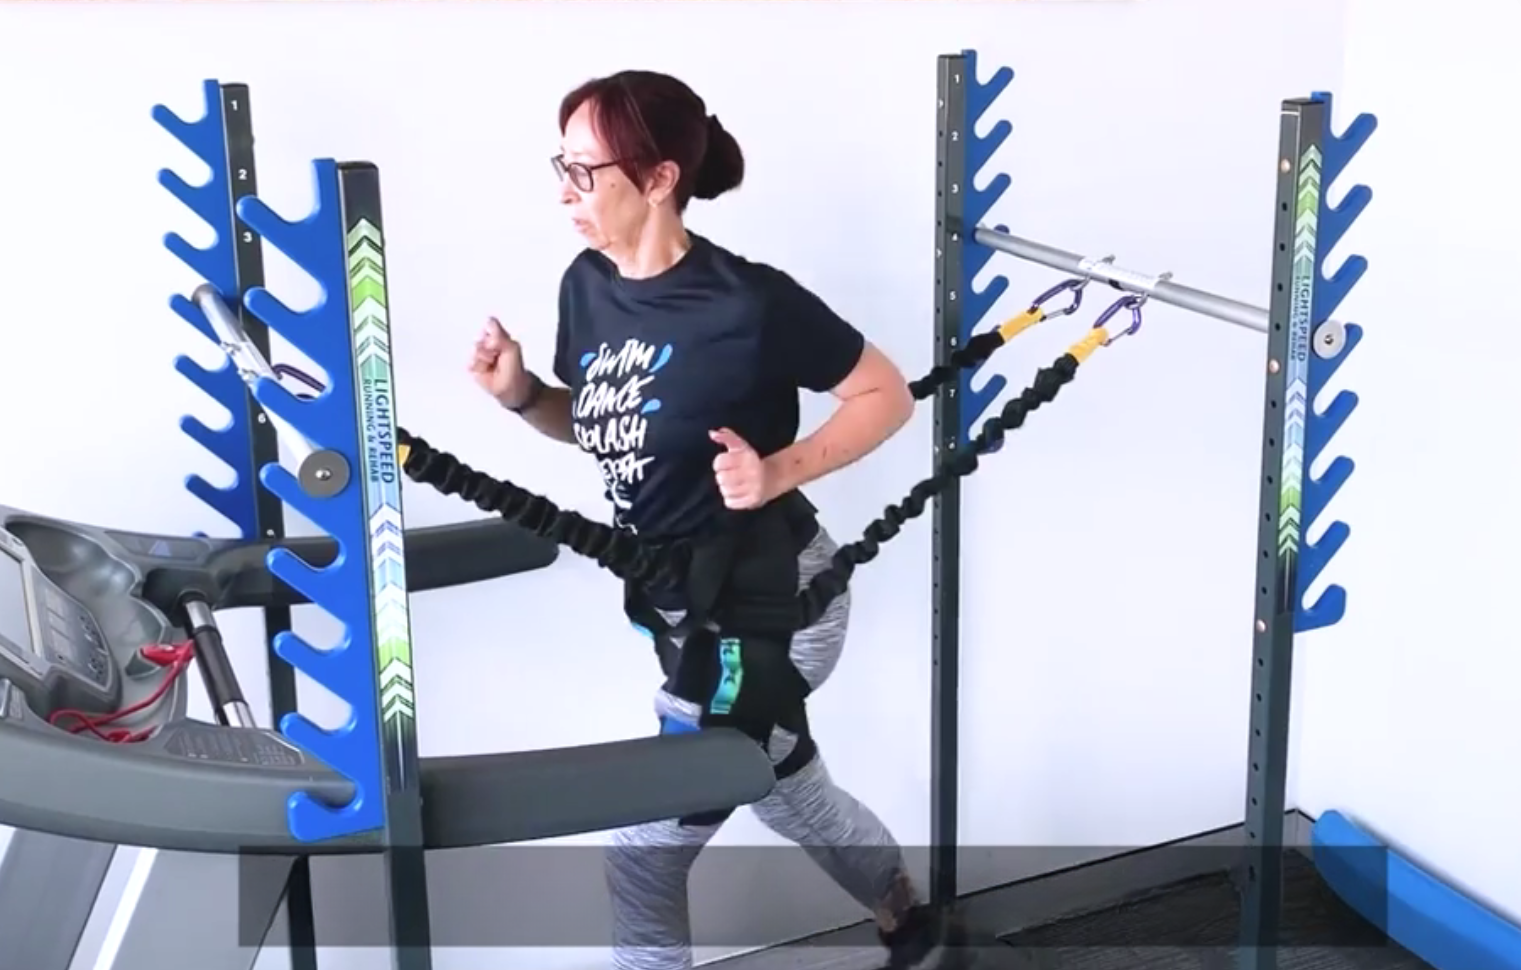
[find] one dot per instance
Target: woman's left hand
(743, 477)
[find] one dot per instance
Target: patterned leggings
(647, 865)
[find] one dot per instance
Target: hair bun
(723, 165)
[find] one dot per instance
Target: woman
(680, 365)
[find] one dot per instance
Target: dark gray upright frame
(269, 512)
(406, 878)
(1276, 599)
(951, 232)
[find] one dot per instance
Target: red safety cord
(176, 657)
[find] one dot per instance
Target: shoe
(927, 939)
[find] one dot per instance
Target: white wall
(1108, 551)
(1408, 706)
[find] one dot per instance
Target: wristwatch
(535, 391)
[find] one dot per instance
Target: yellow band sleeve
(1020, 324)
(1084, 348)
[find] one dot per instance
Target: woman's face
(605, 207)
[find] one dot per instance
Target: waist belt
(742, 579)
(730, 654)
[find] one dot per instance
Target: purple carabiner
(1128, 301)
(1075, 285)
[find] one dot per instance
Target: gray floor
(1193, 926)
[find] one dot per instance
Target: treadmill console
(51, 647)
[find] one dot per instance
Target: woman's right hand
(497, 365)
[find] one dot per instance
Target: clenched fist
(743, 478)
(497, 365)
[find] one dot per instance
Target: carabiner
(1074, 285)
(1129, 301)
(247, 360)
(233, 339)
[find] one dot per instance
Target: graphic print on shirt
(611, 415)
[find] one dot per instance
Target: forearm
(550, 415)
(856, 429)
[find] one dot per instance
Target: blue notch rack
(977, 305)
(223, 140)
(217, 265)
(1332, 349)
(1434, 920)
(328, 422)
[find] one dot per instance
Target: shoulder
(763, 281)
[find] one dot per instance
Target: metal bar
(945, 520)
(1161, 290)
(1288, 353)
(269, 511)
(374, 383)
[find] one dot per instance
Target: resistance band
(633, 559)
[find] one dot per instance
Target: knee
(643, 856)
(795, 807)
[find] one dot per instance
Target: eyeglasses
(579, 173)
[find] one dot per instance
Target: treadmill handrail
(468, 800)
(438, 557)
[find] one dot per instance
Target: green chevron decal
(382, 483)
(1296, 377)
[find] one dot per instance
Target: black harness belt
(729, 650)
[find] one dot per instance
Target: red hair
(645, 118)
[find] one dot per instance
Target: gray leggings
(647, 865)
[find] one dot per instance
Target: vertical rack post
(945, 521)
(1288, 351)
(222, 138)
(961, 154)
(406, 876)
(1305, 348)
(350, 488)
(264, 448)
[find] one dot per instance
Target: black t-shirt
(653, 365)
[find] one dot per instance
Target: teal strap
(731, 676)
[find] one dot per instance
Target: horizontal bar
(1160, 289)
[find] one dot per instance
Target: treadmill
(96, 749)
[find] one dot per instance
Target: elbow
(890, 407)
(880, 395)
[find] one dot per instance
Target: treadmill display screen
(15, 608)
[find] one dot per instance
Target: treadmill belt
(1194, 925)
